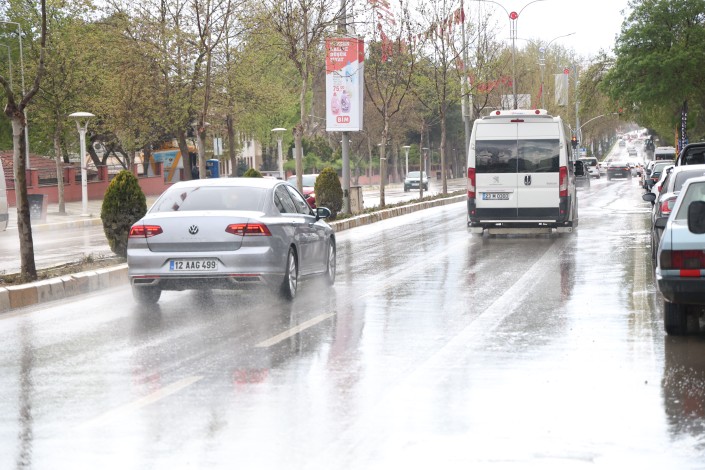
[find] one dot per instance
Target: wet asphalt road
(435, 349)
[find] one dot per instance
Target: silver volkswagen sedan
(229, 233)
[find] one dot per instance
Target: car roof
(249, 182)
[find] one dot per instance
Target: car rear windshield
(511, 156)
(211, 198)
(695, 192)
(683, 176)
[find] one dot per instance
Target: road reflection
(683, 387)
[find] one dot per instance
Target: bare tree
(389, 73)
(16, 112)
(301, 26)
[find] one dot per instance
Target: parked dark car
(619, 169)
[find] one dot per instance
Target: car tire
(147, 295)
(291, 276)
(675, 318)
(330, 263)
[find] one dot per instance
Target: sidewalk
(72, 218)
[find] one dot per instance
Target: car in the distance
(592, 166)
(229, 233)
(413, 180)
(308, 183)
(618, 169)
(680, 268)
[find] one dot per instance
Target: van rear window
(511, 156)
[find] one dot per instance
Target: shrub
(329, 192)
(252, 173)
(123, 205)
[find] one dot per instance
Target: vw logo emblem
(193, 230)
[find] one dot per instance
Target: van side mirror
(696, 217)
(649, 197)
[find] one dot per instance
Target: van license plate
(193, 265)
(495, 196)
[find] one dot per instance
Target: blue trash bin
(212, 168)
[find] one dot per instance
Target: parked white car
(680, 269)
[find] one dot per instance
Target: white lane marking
(117, 413)
(293, 331)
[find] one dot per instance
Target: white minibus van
(521, 174)
(3, 200)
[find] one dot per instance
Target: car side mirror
(661, 222)
(579, 169)
(696, 217)
(649, 197)
(322, 213)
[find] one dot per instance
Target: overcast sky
(595, 22)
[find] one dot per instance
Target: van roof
(525, 113)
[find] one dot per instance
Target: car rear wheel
(291, 276)
(675, 318)
(330, 263)
(146, 295)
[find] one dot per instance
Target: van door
(538, 150)
(496, 170)
(4, 215)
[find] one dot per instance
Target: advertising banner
(344, 84)
(561, 93)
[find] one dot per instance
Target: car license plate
(495, 196)
(193, 265)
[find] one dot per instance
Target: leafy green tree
(252, 173)
(124, 204)
(660, 58)
(328, 190)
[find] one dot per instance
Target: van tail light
(563, 181)
(471, 183)
(689, 262)
(256, 229)
(144, 231)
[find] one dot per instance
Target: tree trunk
(444, 181)
(185, 156)
(24, 227)
(231, 144)
(59, 167)
(298, 152)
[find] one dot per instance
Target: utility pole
(342, 28)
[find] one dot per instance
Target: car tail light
(689, 262)
(563, 181)
(256, 229)
(471, 183)
(667, 205)
(144, 231)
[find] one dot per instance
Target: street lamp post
(82, 119)
(542, 63)
(26, 122)
(513, 19)
(279, 131)
(406, 149)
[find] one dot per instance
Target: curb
(48, 290)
